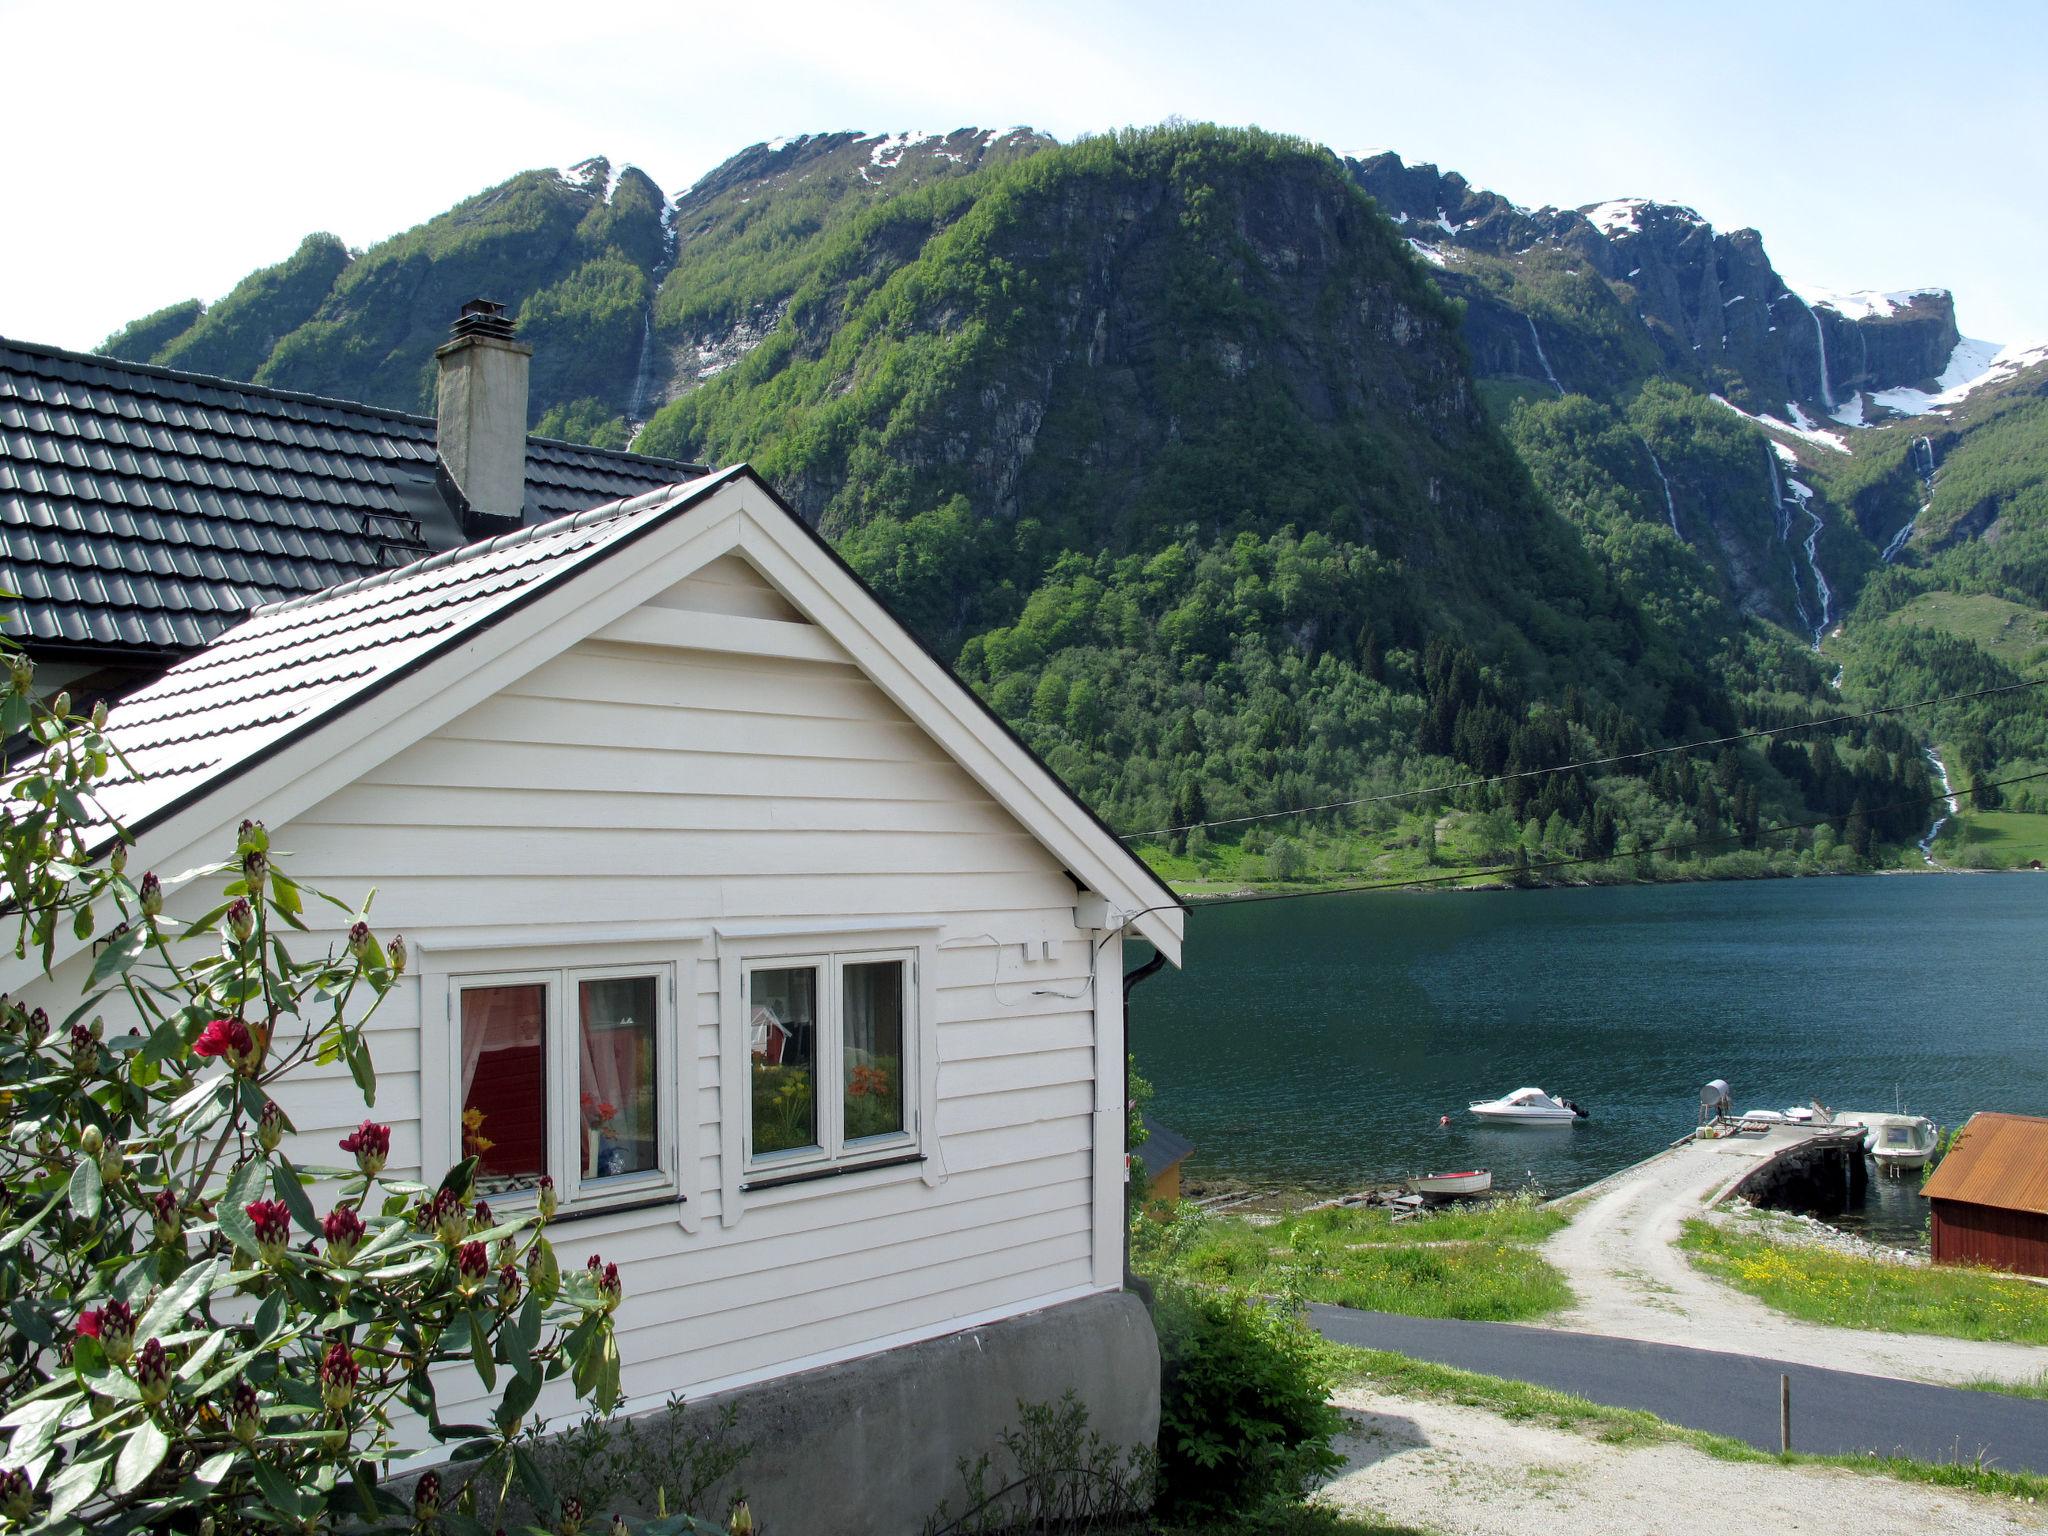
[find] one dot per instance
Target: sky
(161, 152)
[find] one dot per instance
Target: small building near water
(1162, 1152)
(1989, 1196)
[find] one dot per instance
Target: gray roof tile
(214, 496)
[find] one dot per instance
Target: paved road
(1833, 1412)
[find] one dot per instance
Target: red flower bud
(153, 1372)
(371, 1145)
(270, 1126)
(394, 952)
(229, 1038)
(85, 1050)
(152, 895)
(244, 1415)
(17, 1495)
(273, 1224)
(166, 1216)
(509, 1286)
(547, 1202)
(240, 919)
(343, 1230)
(426, 1497)
(38, 1027)
(359, 939)
(113, 1324)
(450, 1222)
(338, 1375)
(472, 1264)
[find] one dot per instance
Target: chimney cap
(483, 317)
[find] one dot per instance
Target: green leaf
(285, 1180)
(142, 1454)
(216, 1467)
(521, 1393)
(533, 1481)
(177, 1298)
(15, 1238)
(522, 1330)
(85, 1188)
(480, 1353)
(117, 956)
(74, 1485)
(284, 895)
(281, 1495)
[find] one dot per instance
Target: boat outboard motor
(1568, 1104)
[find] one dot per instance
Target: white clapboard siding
(627, 781)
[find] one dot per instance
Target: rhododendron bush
(205, 1323)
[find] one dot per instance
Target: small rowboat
(1444, 1186)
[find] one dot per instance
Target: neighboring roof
(271, 686)
(1998, 1160)
(144, 510)
(1162, 1146)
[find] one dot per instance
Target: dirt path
(1454, 1470)
(1620, 1254)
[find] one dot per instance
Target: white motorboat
(1894, 1142)
(1528, 1106)
(1446, 1186)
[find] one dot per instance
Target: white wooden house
(646, 788)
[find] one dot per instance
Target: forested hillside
(1240, 477)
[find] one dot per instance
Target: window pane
(782, 1035)
(620, 1122)
(873, 1049)
(504, 1083)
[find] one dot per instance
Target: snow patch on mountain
(1429, 253)
(1806, 429)
(1972, 366)
(1624, 215)
(1864, 304)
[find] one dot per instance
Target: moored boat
(1528, 1106)
(1444, 1186)
(1895, 1142)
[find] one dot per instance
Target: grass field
(1629, 1427)
(1995, 839)
(1822, 1286)
(1477, 1263)
(2016, 635)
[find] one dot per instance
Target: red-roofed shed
(1990, 1196)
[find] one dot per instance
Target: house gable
(306, 697)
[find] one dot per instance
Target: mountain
(1239, 475)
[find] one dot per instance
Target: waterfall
(1782, 503)
(644, 382)
(1548, 372)
(1820, 340)
(1670, 511)
(1921, 457)
(1949, 798)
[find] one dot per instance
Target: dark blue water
(1316, 1042)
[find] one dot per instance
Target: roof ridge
(304, 397)
(463, 552)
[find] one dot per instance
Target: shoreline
(1489, 884)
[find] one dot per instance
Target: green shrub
(1245, 1420)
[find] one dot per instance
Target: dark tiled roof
(293, 666)
(143, 511)
(1162, 1146)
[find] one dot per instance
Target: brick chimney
(481, 428)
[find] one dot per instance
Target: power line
(1508, 869)
(1591, 762)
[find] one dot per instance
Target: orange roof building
(1989, 1196)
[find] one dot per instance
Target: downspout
(1132, 1281)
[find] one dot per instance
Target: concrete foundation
(869, 1447)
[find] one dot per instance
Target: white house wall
(623, 784)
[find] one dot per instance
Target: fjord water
(1316, 1042)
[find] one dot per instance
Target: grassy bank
(1629, 1427)
(1822, 1286)
(1474, 1263)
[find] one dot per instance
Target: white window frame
(561, 970)
(750, 1176)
